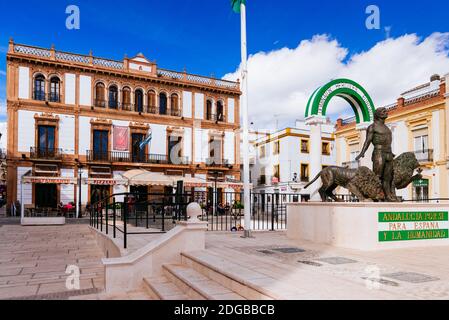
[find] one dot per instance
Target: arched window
(100, 95)
(152, 102)
(162, 103)
(55, 87)
(126, 99)
(39, 88)
(138, 100)
(209, 110)
(174, 101)
(220, 111)
(113, 97)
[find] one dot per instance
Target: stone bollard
(194, 211)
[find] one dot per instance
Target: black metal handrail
(156, 213)
(46, 153)
(150, 211)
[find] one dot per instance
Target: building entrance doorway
(46, 195)
(98, 193)
(421, 190)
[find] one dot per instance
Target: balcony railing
(175, 112)
(45, 154)
(50, 97)
(130, 157)
(152, 110)
(216, 117)
(424, 156)
(217, 163)
(100, 103)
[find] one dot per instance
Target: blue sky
(203, 35)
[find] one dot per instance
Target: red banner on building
(121, 138)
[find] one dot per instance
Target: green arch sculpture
(351, 91)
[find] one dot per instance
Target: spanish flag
(236, 5)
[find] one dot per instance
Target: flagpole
(244, 108)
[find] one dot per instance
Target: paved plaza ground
(33, 261)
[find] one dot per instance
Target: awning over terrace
(147, 178)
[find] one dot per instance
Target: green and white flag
(236, 5)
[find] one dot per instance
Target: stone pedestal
(370, 226)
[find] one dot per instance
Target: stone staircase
(205, 276)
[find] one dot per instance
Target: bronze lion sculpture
(363, 182)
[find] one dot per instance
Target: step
(197, 286)
(160, 288)
(248, 283)
(132, 295)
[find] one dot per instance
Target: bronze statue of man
(381, 137)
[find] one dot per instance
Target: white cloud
(281, 81)
(2, 73)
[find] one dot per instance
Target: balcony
(46, 154)
(152, 110)
(424, 156)
(50, 97)
(129, 157)
(217, 163)
(99, 103)
(175, 112)
(216, 117)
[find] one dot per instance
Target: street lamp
(80, 173)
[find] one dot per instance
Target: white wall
(70, 88)
(436, 145)
(84, 135)
(67, 190)
(198, 148)
(231, 110)
(119, 188)
(84, 187)
(400, 138)
(188, 143)
(187, 104)
(26, 131)
(159, 142)
(205, 145)
(199, 106)
(67, 134)
(24, 83)
(27, 188)
(229, 147)
(85, 98)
